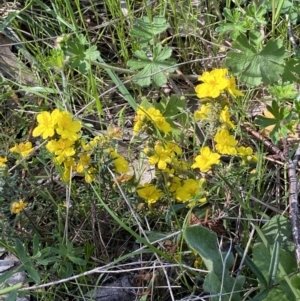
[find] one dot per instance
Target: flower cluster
(168, 157)
(70, 150)
(216, 111)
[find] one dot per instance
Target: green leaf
(252, 266)
(215, 284)
(292, 70)
(92, 54)
(32, 273)
(80, 57)
(21, 251)
(254, 64)
(195, 237)
(145, 30)
(56, 59)
(232, 23)
(284, 91)
(36, 244)
(12, 296)
(175, 104)
(77, 260)
(274, 263)
(155, 68)
(65, 269)
(295, 280)
(282, 121)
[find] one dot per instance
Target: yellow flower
(66, 127)
(149, 193)
(226, 144)
(203, 113)
(84, 163)
(46, 124)
(162, 125)
(214, 83)
(174, 148)
(139, 119)
(206, 159)
(225, 117)
(24, 149)
(159, 120)
(69, 166)
(161, 157)
(247, 154)
(144, 115)
(89, 176)
(232, 87)
(3, 160)
(63, 148)
(192, 191)
(174, 184)
(120, 163)
(17, 207)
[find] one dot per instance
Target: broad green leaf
(224, 284)
(254, 64)
(252, 266)
(292, 70)
(205, 243)
(154, 68)
(278, 225)
(145, 30)
(295, 280)
(278, 294)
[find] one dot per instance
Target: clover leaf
(154, 68)
(254, 65)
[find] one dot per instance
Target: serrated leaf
(145, 30)
(92, 54)
(292, 70)
(254, 65)
(154, 68)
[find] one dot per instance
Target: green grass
(69, 229)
